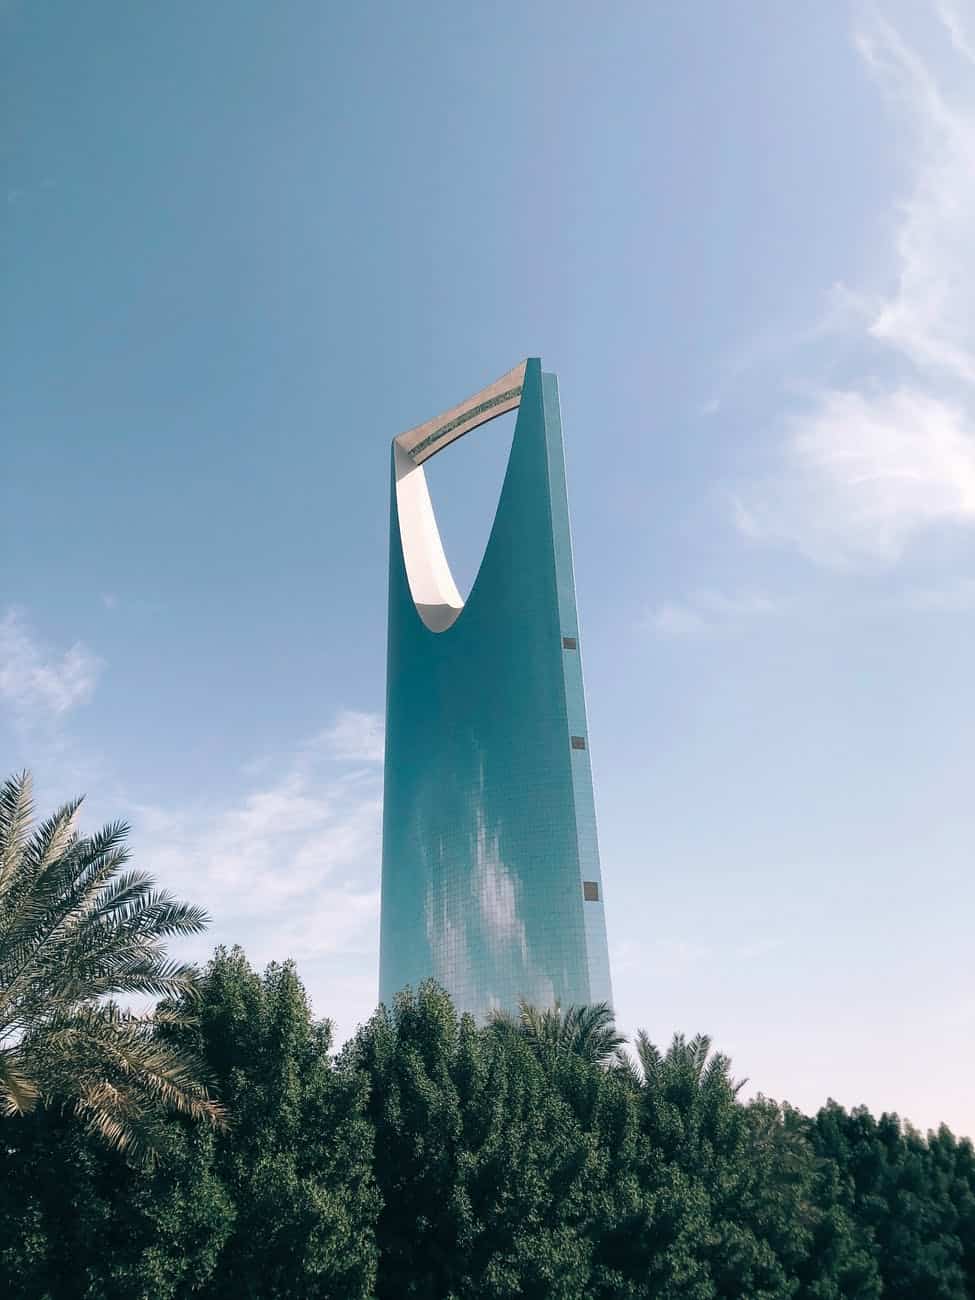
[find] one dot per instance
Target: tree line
(220, 1146)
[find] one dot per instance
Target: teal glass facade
(491, 881)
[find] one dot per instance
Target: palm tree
(76, 930)
(688, 1092)
(588, 1032)
(690, 1064)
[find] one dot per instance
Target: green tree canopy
(436, 1159)
(281, 1205)
(297, 1165)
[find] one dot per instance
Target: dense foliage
(434, 1159)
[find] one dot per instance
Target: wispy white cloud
(929, 315)
(869, 466)
(960, 34)
(39, 683)
(706, 611)
(287, 864)
(844, 309)
(290, 866)
(866, 472)
(289, 869)
(676, 618)
(353, 737)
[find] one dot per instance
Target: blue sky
(244, 245)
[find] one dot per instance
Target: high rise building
(491, 881)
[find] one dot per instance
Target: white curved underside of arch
(432, 585)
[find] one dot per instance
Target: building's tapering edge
(583, 796)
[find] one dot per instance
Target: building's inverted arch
(491, 878)
(435, 594)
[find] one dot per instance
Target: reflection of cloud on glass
(497, 890)
(446, 928)
(478, 926)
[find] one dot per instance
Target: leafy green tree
(422, 1066)
(80, 1222)
(695, 1126)
(794, 1200)
(436, 1160)
(689, 1100)
(953, 1161)
(297, 1163)
(904, 1191)
(75, 932)
(487, 1177)
(281, 1204)
(762, 1232)
(513, 1165)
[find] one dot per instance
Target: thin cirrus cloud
(39, 683)
(353, 737)
(706, 612)
(870, 466)
(287, 865)
(288, 869)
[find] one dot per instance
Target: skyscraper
(491, 881)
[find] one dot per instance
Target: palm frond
(697, 1053)
(585, 1031)
(131, 887)
(16, 810)
(52, 838)
(75, 930)
(624, 1065)
(40, 902)
(648, 1055)
(18, 1092)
